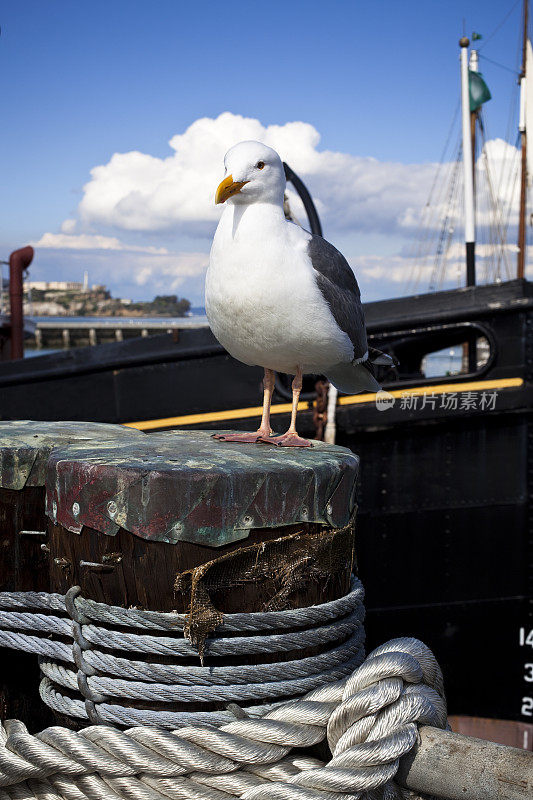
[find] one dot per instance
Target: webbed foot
(286, 440)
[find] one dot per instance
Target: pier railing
(91, 331)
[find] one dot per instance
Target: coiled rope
(87, 652)
(369, 720)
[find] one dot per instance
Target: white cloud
(406, 273)
(136, 202)
(135, 273)
(68, 226)
(173, 272)
(90, 241)
(137, 192)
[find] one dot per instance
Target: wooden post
(23, 567)
(269, 528)
(455, 767)
(24, 557)
(177, 500)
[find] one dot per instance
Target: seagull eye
(260, 164)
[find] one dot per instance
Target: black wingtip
(378, 357)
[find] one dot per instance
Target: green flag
(476, 36)
(479, 91)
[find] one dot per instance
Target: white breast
(262, 300)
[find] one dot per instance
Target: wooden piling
(177, 500)
(184, 522)
(455, 767)
(133, 520)
(24, 546)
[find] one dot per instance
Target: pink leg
(291, 438)
(264, 429)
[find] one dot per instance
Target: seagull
(279, 297)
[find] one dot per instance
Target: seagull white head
(254, 173)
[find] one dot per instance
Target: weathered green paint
(25, 446)
(185, 485)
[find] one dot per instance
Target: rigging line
(483, 228)
(429, 243)
(438, 229)
(513, 105)
(449, 237)
(448, 223)
(489, 260)
(424, 229)
(501, 66)
(424, 242)
(512, 176)
(496, 221)
(461, 261)
(445, 228)
(510, 124)
(495, 235)
(499, 26)
(501, 254)
(507, 165)
(519, 49)
(510, 203)
(442, 163)
(512, 172)
(436, 232)
(453, 236)
(489, 231)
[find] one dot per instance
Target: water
(136, 322)
(444, 363)
(31, 352)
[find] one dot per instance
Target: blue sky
(83, 81)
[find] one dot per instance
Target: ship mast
(468, 163)
(521, 260)
(473, 66)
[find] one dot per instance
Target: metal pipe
(19, 260)
(456, 767)
(468, 162)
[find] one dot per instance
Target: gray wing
(338, 285)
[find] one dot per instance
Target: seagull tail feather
(378, 357)
(353, 378)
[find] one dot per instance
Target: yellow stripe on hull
(355, 399)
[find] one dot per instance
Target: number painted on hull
(527, 707)
(525, 637)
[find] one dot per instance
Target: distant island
(72, 299)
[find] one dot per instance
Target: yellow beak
(228, 188)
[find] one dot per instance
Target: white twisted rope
(80, 656)
(369, 719)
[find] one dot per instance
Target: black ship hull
(445, 520)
